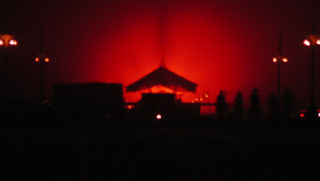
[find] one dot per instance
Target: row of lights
(310, 41)
(201, 98)
(7, 40)
(304, 112)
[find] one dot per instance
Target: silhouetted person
(273, 107)
(287, 101)
(255, 109)
(221, 104)
(238, 105)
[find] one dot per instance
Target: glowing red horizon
(220, 45)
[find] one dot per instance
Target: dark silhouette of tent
(164, 77)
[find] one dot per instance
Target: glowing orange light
(301, 115)
(284, 59)
(318, 42)
(37, 59)
(13, 42)
(46, 59)
(307, 42)
(274, 59)
(130, 106)
(1, 42)
(159, 116)
(161, 89)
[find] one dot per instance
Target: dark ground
(212, 151)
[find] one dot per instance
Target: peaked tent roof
(164, 77)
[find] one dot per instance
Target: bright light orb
(318, 42)
(307, 42)
(285, 60)
(37, 59)
(274, 59)
(46, 59)
(159, 116)
(319, 114)
(1, 42)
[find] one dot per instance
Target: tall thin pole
(312, 61)
(279, 67)
(162, 32)
(312, 110)
(41, 66)
(7, 77)
(6, 57)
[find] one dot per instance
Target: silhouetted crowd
(223, 110)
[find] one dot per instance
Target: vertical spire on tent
(5, 18)
(162, 31)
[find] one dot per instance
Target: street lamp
(42, 58)
(279, 59)
(6, 40)
(312, 41)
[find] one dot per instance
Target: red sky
(220, 45)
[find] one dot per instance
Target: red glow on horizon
(201, 41)
(195, 46)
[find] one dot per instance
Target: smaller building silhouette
(98, 100)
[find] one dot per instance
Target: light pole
(279, 59)
(7, 40)
(312, 41)
(41, 58)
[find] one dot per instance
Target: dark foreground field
(161, 153)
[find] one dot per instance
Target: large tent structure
(165, 78)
